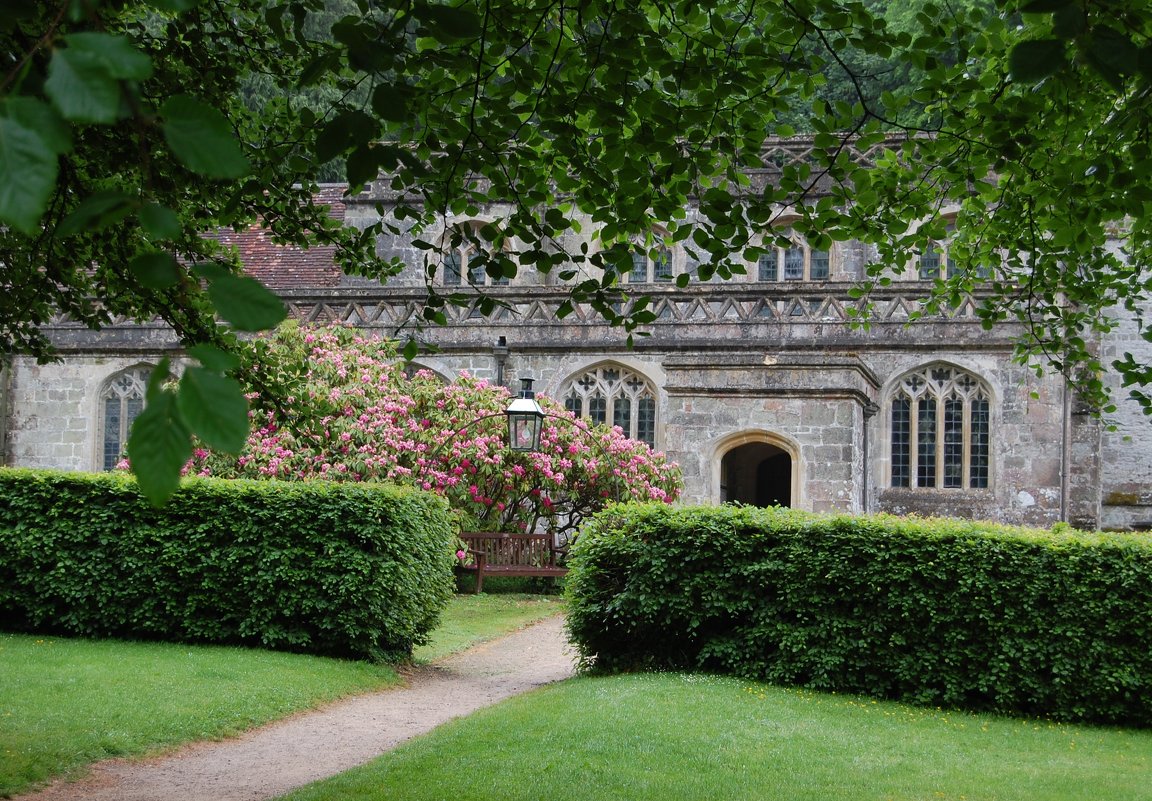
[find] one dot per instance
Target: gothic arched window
(614, 395)
(121, 402)
(940, 419)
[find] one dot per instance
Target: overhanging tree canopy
(124, 135)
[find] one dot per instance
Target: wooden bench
(502, 554)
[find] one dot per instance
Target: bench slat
(511, 555)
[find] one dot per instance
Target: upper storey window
(464, 262)
(941, 430)
(653, 266)
(796, 262)
(936, 261)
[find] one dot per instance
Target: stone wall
(1125, 448)
(782, 364)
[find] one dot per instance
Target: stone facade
(765, 390)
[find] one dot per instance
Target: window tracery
(940, 430)
(614, 395)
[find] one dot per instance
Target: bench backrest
(511, 549)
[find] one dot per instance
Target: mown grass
(672, 737)
(65, 703)
(473, 619)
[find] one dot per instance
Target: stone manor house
(759, 387)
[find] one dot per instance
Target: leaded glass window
(639, 273)
(766, 267)
(462, 264)
(901, 437)
(575, 404)
(794, 262)
(937, 257)
(614, 394)
(452, 273)
(648, 268)
(940, 430)
(930, 264)
(819, 268)
(121, 403)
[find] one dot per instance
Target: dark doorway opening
(756, 474)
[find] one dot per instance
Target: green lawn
(65, 703)
(669, 737)
(472, 619)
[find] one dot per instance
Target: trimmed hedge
(934, 612)
(350, 570)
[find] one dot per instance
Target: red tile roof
(287, 266)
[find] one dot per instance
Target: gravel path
(270, 761)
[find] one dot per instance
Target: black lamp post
(525, 418)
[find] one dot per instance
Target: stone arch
(757, 468)
(441, 374)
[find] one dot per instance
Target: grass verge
(65, 703)
(473, 619)
(673, 737)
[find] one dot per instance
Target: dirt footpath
(270, 761)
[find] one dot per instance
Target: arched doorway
(756, 474)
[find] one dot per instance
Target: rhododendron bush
(348, 412)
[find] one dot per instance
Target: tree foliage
(354, 414)
(124, 135)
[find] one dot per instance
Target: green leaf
(246, 303)
(155, 270)
(160, 222)
(1043, 6)
(175, 6)
(211, 271)
(159, 447)
(95, 213)
(1035, 60)
(361, 166)
(215, 408)
(1113, 49)
(1069, 22)
(28, 170)
(390, 103)
(411, 349)
(214, 358)
(447, 23)
(80, 87)
(202, 139)
(116, 55)
(40, 117)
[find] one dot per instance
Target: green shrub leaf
(155, 270)
(246, 303)
(158, 447)
(202, 139)
(214, 407)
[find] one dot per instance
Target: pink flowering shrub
(351, 414)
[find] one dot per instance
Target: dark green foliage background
(934, 612)
(343, 570)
